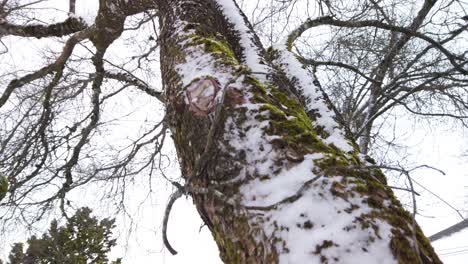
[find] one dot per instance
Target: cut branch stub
(201, 96)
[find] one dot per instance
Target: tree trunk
(269, 170)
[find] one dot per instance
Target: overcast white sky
(439, 146)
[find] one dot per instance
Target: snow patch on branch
(301, 209)
(259, 152)
(199, 64)
(266, 192)
(317, 225)
(201, 73)
(315, 102)
(251, 52)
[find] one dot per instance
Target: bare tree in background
(380, 55)
(48, 132)
(259, 149)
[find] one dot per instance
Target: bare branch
(69, 26)
(130, 79)
(377, 24)
(449, 231)
(72, 6)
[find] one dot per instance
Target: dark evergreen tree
(83, 239)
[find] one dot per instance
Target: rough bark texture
(220, 102)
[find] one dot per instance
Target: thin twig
(199, 164)
(404, 189)
(415, 210)
(184, 190)
(72, 7)
(176, 195)
(289, 199)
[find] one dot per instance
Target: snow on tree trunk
(281, 183)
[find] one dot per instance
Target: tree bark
(269, 169)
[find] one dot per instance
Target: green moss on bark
(288, 120)
(294, 132)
